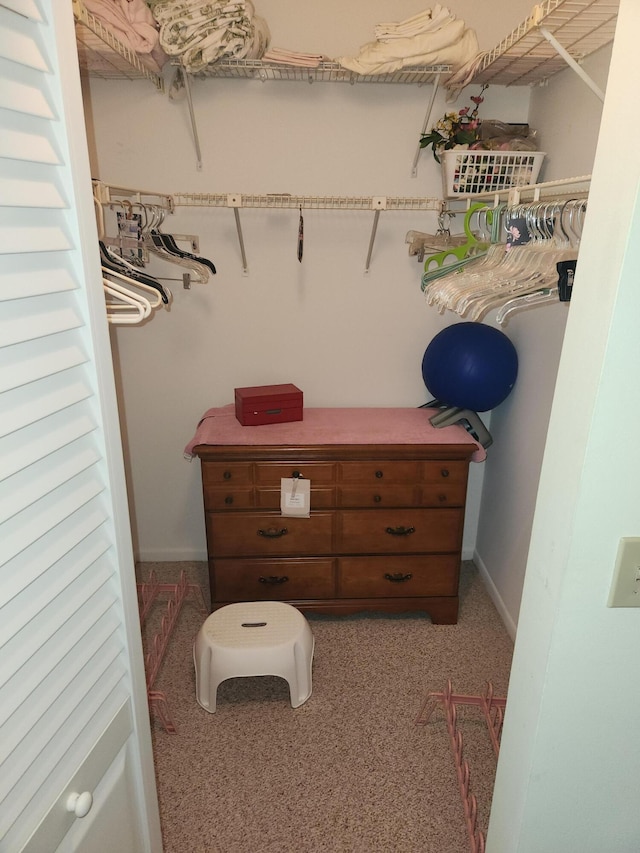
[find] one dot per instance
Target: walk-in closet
(293, 195)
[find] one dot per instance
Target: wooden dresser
(386, 521)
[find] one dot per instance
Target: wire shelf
(327, 71)
(101, 54)
(526, 57)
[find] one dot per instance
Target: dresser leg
(445, 611)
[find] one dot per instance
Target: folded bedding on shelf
(201, 32)
(132, 23)
(282, 56)
(434, 37)
(429, 19)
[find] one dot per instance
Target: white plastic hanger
(123, 306)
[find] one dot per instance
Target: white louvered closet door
(73, 707)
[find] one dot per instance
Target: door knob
(80, 804)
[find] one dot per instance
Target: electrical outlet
(625, 586)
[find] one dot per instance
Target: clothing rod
(108, 194)
(533, 192)
(286, 201)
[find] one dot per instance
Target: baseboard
(494, 595)
(169, 556)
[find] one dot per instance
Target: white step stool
(253, 638)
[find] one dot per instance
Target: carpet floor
(347, 772)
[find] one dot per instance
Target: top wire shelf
(101, 54)
(525, 56)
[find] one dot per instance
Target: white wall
(343, 337)
(567, 776)
(566, 115)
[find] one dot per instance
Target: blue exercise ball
(470, 366)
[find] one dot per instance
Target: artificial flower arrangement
(455, 129)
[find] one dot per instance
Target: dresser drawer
(267, 534)
(443, 494)
(380, 471)
(274, 580)
(445, 471)
(226, 473)
(400, 531)
(321, 498)
(229, 498)
(378, 495)
(270, 473)
(388, 577)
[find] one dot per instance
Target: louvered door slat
(27, 605)
(23, 231)
(26, 8)
(37, 444)
(83, 641)
(70, 660)
(30, 566)
(23, 668)
(25, 146)
(48, 512)
(39, 359)
(21, 93)
(24, 182)
(54, 314)
(26, 193)
(26, 487)
(54, 393)
(18, 141)
(35, 275)
(19, 42)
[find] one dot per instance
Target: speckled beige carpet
(347, 772)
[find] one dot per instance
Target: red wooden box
(268, 404)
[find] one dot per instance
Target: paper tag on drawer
(295, 496)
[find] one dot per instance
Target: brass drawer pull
(272, 533)
(398, 578)
(274, 579)
(400, 531)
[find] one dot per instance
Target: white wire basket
(467, 173)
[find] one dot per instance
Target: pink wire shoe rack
(148, 594)
(492, 708)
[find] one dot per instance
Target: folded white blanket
(427, 21)
(440, 39)
(130, 21)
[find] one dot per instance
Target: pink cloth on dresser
(333, 426)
